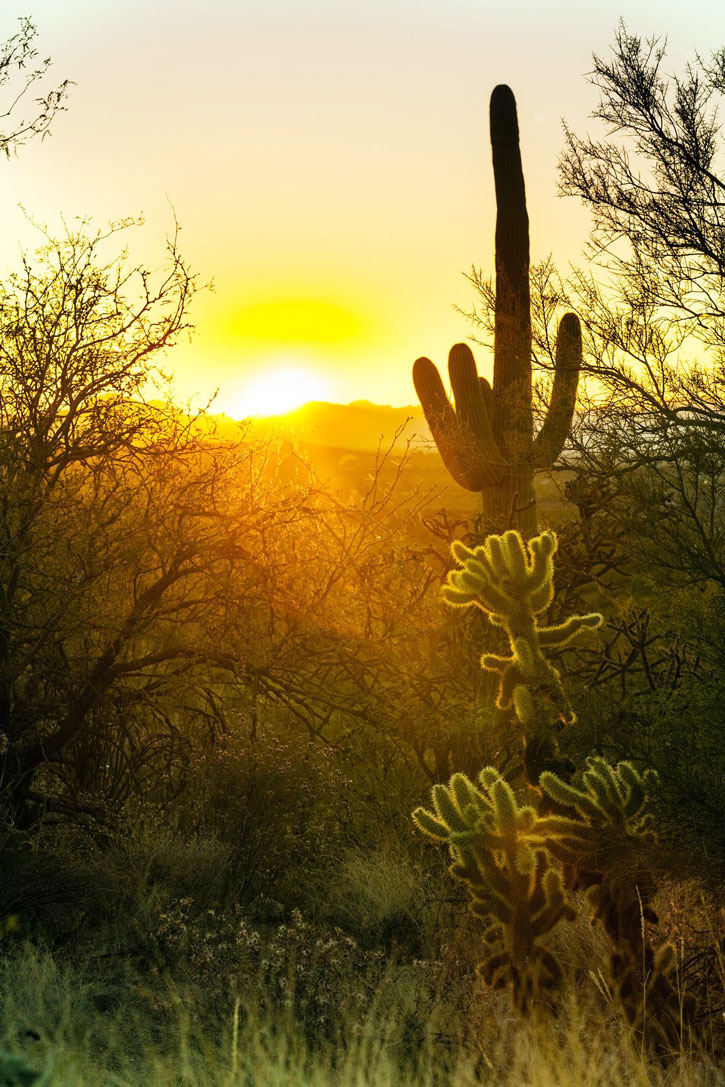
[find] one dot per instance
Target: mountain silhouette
(360, 426)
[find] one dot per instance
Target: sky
(329, 164)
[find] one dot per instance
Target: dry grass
(93, 1034)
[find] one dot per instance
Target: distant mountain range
(359, 426)
(341, 440)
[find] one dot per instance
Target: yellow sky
(329, 165)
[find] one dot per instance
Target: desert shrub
(317, 976)
(153, 862)
(274, 803)
(381, 895)
(39, 883)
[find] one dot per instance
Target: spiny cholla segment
(514, 584)
(605, 796)
(513, 880)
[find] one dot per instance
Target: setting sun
(280, 389)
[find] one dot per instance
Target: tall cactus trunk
(513, 499)
(487, 440)
(512, 502)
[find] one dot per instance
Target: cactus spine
(486, 440)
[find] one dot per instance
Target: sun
(280, 389)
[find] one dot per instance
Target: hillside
(341, 441)
(360, 426)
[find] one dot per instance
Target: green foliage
(486, 440)
(651, 689)
(681, 736)
(16, 1072)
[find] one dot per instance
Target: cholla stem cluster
(513, 583)
(521, 860)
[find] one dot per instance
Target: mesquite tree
(654, 183)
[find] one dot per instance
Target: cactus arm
(549, 442)
(473, 414)
(564, 632)
(487, 396)
(431, 826)
(444, 425)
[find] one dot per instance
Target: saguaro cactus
(486, 440)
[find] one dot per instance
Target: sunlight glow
(298, 321)
(281, 389)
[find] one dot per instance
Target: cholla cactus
(513, 881)
(600, 847)
(513, 584)
(521, 860)
(519, 865)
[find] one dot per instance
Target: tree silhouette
(652, 184)
(20, 70)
